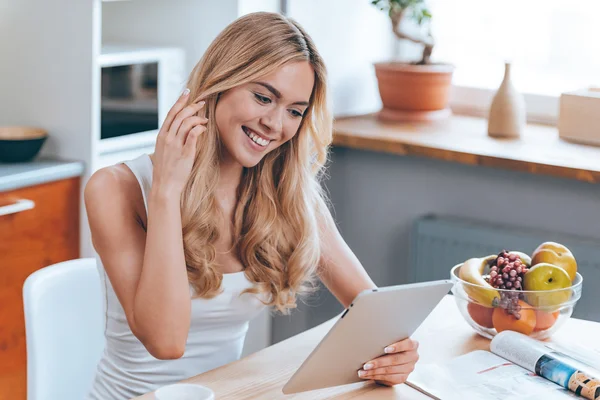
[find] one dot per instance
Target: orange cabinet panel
(29, 240)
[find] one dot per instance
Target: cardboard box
(579, 116)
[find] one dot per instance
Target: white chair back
(64, 324)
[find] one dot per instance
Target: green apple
(546, 277)
(555, 254)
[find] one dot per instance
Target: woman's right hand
(176, 146)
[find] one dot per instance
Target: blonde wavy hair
(281, 201)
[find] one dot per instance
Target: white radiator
(439, 243)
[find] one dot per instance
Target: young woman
(225, 218)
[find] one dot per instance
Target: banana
(471, 271)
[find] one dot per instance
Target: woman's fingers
(403, 345)
(187, 125)
(187, 112)
(189, 148)
(177, 107)
(389, 370)
(188, 134)
(395, 366)
(392, 359)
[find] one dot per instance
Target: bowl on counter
(537, 314)
(20, 143)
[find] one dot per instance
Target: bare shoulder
(113, 182)
(113, 191)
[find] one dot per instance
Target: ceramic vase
(507, 116)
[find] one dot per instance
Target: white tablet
(375, 319)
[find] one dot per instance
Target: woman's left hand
(394, 367)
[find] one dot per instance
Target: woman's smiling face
(257, 117)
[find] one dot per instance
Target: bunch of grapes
(510, 302)
(507, 272)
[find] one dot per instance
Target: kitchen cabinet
(39, 226)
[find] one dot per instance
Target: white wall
(350, 35)
(190, 24)
(248, 6)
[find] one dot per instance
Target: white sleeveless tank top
(216, 337)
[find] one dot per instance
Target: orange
(504, 321)
(544, 320)
(481, 315)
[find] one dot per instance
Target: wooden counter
(464, 140)
(442, 336)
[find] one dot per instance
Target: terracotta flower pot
(414, 92)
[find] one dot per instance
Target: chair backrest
(64, 324)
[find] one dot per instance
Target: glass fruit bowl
(537, 314)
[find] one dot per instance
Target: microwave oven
(138, 87)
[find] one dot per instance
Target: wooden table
(442, 336)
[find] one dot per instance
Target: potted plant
(419, 90)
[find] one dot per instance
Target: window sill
(464, 139)
(475, 101)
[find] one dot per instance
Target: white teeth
(257, 139)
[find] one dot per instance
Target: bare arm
(147, 269)
(153, 293)
(340, 270)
